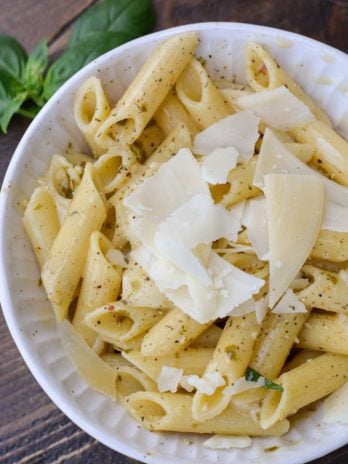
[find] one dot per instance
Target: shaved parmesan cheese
(230, 286)
(336, 406)
(185, 384)
(210, 222)
(261, 307)
(176, 182)
(275, 158)
(208, 384)
(289, 304)
(166, 276)
(335, 216)
(227, 442)
(240, 130)
(278, 108)
(177, 236)
(255, 220)
(183, 257)
(116, 257)
(97, 373)
(294, 210)
(244, 308)
(241, 385)
(216, 166)
(169, 378)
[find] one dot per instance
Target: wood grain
(32, 429)
(30, 20)
(320, 19)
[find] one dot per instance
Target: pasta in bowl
(189, 252)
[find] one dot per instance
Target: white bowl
(320, 69)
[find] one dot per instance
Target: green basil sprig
(133, 17)
(253, 376)
(27, 82)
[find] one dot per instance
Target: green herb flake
(253, 376)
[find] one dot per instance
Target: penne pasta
(171, 334)
(168, 411)
(171, 113)
(192, 361)
(149, 140)
(325, 332)
(240, 181)
(208, 339)
(200, 97)
(332, 246)
(117, 322)
(327, 291)
(138, 289)
(230, 359)
(303, 151)
(101, 282)
(129, 379)
(114, 168)
(145, 94)
(91, 108)
(263, 72)
(277, 335)
(173, 280)
(330, 149)
(62, 180)
(304, 385)
(300, 358)
(41, 223)
(90, 366)
(63, 268)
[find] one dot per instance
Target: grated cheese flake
(206, 384)
(239, 130)
(276, 158)
(255, 220)
(175, 242)
(278, 108)
(227, 442)
(289, 304)
(217, 165)
(169, 379)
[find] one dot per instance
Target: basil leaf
(253, 376)
(134, 17)
(12, 107)
(13, 58)
(11, 99)
(34, 70)
(37, 62)
(74, 59)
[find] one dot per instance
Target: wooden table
(32, 429)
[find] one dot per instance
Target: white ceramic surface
(321, 70)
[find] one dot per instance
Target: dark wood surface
(32, 429)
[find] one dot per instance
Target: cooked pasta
(201, 259)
